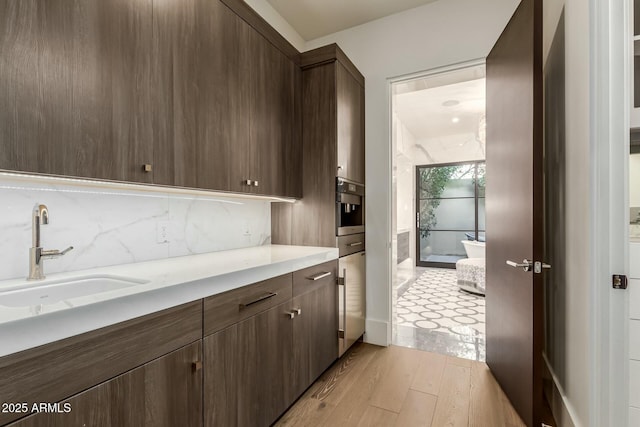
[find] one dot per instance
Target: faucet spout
(40, 216)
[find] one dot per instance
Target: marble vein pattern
(120, 226)
(435, 315)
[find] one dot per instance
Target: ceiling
(317, 18)
(444, 114)
(424, 114)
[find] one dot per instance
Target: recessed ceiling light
(455, 120)
(450, 103)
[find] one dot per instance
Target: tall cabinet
(332, 146)
(333, 160)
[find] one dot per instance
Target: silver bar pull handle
(257, 300)
(525, 265)
(319, 276)
(354, 244)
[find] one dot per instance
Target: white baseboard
(376, 332)
(561, 408)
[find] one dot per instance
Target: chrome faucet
(40, 216)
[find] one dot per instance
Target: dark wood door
(75, 88)
(514, 210)
(315, 342)
(350, 121)
(274, 343)
(248, 370)
(176, 58)
(165, 392)
(224, 104)
(272, 117)
(221, 377)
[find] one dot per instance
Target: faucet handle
(54, 253)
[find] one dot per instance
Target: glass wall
(450, 208)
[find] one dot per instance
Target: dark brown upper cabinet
(192, 93)
(334, 109)
(75, 88)
(350, 116)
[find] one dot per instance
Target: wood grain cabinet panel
(176, 60)
(350, 112)
(332, 136)
(272, 118)
(76, 89)
(248, 370)
(223, 78)
(100, 88)
(63, 368)
(230, 307)
(315, 338)
(164, 392)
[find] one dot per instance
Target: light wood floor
(397, 386)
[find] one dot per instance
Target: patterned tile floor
(433, 314)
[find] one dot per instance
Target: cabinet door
(350, 111)
(165, 392)
(248, 370)
(222, 367)
(223, 112)
(272, 118)
(315, 335)
(176, 60)
(75, 88)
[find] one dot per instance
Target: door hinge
(619, 281)
(340, 281)
(340, 333)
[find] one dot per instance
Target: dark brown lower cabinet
(314, 335)
(248, 370)
(254, 370)
(164, 392)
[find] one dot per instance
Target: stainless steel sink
(53, 291)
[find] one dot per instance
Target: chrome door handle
(525, 265)
(539, 266)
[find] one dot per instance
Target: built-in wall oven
(351, 263)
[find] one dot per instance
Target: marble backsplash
(109, 226)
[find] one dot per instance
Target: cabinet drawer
(314, 277)
(233, 306)
(351, 244)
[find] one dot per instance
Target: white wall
(634, 180)
(434, 35)
(570, 364)
(110, 225)
(405, 176)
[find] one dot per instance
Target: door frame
(392, 257)
(609, 109)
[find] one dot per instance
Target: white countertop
(171, 282)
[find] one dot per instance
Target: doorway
(438, 131)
